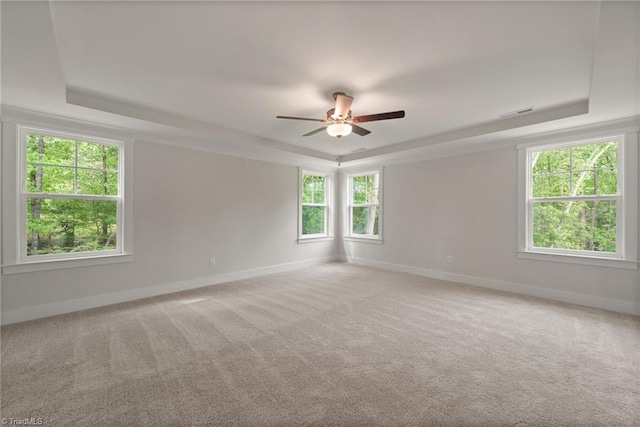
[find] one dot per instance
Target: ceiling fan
(339, 121)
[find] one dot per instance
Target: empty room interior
(320, 213)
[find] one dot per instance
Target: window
(364, 195)
(69, 201)
(575, 199)
(314, 206)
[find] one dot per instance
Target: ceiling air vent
(517, 112)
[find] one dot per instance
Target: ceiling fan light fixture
(340, 122)
(339, 129)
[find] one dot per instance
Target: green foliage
(364, 189)
(97, 156)
(61, 166)
(313, 220)
(588, 226)
(50, 150)
(71, 226)
(313, 189)
(361, 220)
(584, 170)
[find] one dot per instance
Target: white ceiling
(224, 70)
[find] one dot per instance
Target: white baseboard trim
(46, 310)
(620, 306)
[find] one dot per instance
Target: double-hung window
(314, 206)
(364, 197)
(70, 199)
(576, 200)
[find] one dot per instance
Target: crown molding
(234, 148)
(273, 155)
(218, 134)
(457, 148)
(542, 116)
(593, 130)
(396, 152)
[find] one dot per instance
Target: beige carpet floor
(331, 345)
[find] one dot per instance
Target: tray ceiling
(228, 68)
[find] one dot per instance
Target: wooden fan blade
(343, 104)
(381, 116)
(360, 131)
(301, 118)
(313, 132)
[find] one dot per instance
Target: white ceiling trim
(219, 134)
(81, 33)
(536, 117)
(437, 151)
(527, 58)
(43, 120)
(446, 149)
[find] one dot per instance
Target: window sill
(311, 239)
(59, 264)
(577, 259)
(362, 239)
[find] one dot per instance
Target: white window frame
(626, 205)
(14, 250)
(349, 235)
(328, 234)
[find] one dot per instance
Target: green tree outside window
(86, 172)
(573, 196)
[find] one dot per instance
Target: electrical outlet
(449, 259)
(212, 262)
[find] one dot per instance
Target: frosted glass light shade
(339, 129)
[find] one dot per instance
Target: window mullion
(70, 196)
(596, 197)
(71, 167)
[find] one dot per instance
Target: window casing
(314, 206)
(364, 210)
(77, 189)
(67, 197)
(575, 203)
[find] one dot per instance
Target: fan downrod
(335, 95)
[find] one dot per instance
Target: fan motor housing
(332, 111)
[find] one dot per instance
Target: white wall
(466, 206)
(188, 206)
